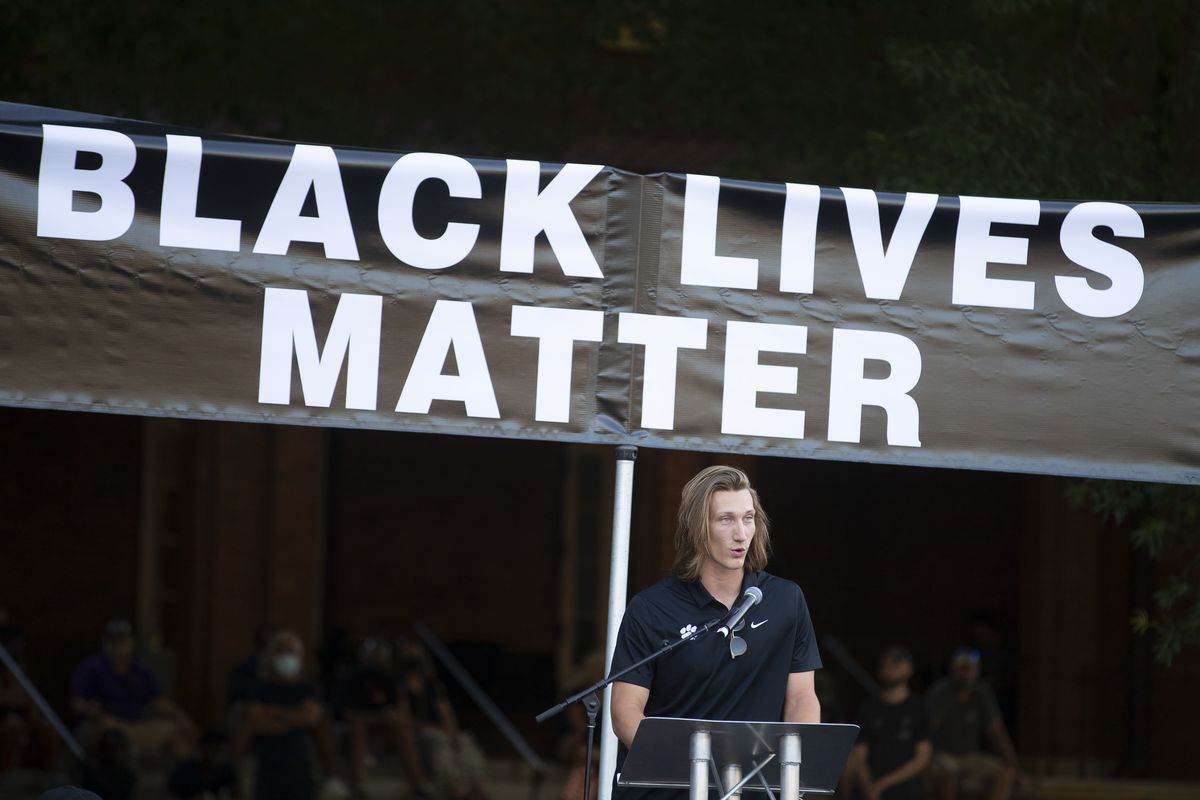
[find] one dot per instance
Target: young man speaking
(722, 543)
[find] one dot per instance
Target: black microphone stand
(590, 697)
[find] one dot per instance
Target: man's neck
(723, 584)
(894, 694)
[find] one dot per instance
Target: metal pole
(700, 749)
(618, 582)
(789, 766)
(732, 780)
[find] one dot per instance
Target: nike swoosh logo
(754, 625)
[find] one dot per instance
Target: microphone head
(755, 592)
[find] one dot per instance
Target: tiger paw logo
(686, 631)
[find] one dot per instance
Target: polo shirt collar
(702, 598)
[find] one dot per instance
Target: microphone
(751, 598)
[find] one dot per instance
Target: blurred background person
(369, 701)
(449, 753)
(114, 689)
(893, 747)
(997, 661)
(282, 715)
(963, 714)
(242, 684)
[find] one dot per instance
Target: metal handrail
(68, 739)
(856, 670)
(460, 674)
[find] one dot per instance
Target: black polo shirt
(699, 680)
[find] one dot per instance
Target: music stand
(791, 758)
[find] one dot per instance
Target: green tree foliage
(1033, 98)
(1164, 524)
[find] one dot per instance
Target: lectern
(790, 758)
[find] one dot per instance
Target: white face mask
(287, 665)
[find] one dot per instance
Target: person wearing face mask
(281, 717)
(893, 746)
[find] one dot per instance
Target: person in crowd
(26, 737)
(244, 675)
(242, 683)
(282, 715)
(893, 747)
(450, 754)
(963, 715)
(369, 701)
(109, 770)
(114, 689)
(997, 661)
(209, 776)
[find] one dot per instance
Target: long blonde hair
(691, 532)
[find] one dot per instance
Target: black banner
(151, 270)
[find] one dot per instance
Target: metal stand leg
(701, 752)
(789, 766)
(732, 779)
(591, 704)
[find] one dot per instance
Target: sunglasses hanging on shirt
(737, 645)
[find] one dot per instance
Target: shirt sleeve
(634, 643)
(805, 656)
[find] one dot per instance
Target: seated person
(210, 776)
(450, 753)
(962, 714)
(26, 737)
(893, 746)
(282, 716)
(369, 701)
(113, 689)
